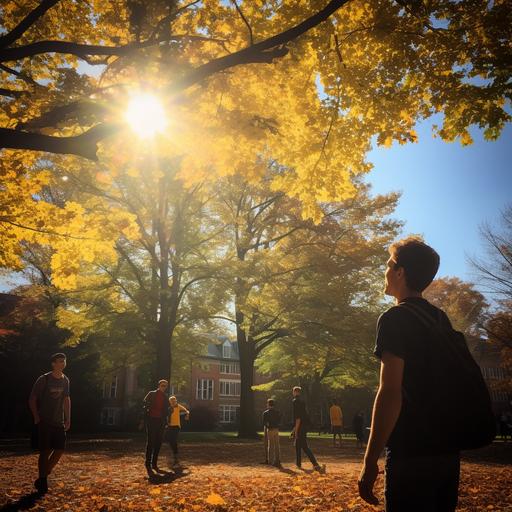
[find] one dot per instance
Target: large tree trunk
(247, 417)
(247, 428)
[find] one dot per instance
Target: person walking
(156, 409)
(174, 425)
(50, 404)
(336, 417)
(271, 420)
(302, 423)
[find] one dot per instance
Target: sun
(145, 115)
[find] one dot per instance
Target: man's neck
(57, 374)
(406, 294)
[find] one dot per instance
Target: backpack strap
(426, 319)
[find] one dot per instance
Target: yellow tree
(307, 82)
(296, 283)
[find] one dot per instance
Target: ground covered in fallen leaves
(107, 475)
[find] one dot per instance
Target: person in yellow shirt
(174, 425)
(336, 421)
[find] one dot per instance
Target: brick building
(214, 387)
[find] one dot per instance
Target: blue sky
(448, 191)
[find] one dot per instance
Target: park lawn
(222, 473)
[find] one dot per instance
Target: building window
(226, 350)
(228, 413)
(204, 390)
(490, 372)
(499, 396)
(230, 368)
(109, 416)
(110, 388)
(229, 387)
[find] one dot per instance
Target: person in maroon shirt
(156, 410)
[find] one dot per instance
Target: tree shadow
(288, 471)
(26, 502)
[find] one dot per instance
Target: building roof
(216, 350)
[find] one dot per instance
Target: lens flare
(145, 115)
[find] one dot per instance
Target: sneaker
(320, 469)
(41, 484)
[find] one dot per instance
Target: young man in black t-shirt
(302, 424)
(419, 478)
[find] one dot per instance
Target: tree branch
(85, 145)
(237, 7)
(85, 50)
(26, 23)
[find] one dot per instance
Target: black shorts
(51, 437)
(336, 429)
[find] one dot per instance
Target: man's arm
(67, 412)
(386, 410)
(295, 431)
(185, 410)
(32, 401)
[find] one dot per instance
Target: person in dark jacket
(271, 420)
(156, 410)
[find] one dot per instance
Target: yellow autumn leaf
(155, 490)
(215, 499)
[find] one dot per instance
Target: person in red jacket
(156, 410)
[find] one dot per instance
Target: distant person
(358, 427)
(174, 425)
(336, 416)
(156, 409)
(302, 423)
(423, 363)
(50, 404)
(271, 421)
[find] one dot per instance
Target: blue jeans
(427, 483)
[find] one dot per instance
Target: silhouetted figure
(50, 404)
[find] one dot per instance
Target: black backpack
(458, 415)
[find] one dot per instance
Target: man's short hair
(270, 402)
(334, 401)
(163, 381)
(172, 397)
(297, 388)
(419, 261)
(58, 355)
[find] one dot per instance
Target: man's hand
(292, 434)
(67, 425)
(366, 482)
(187, 416)
(37, 420)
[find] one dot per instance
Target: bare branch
(237, 7)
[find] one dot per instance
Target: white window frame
(108, 386)
(229, 387)
(204, 391)
(228, 413)
(227, 350)
(230, 368)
